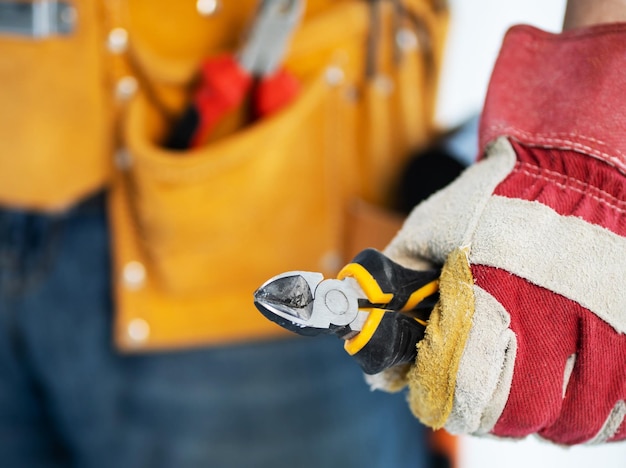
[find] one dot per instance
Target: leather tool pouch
(195, 233)
(51, 86)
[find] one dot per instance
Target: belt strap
(37, 19)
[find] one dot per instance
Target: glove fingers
(565, 361)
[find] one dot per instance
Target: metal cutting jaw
(307, 304)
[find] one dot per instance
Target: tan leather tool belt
(195, 233)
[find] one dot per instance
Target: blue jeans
(68, 399)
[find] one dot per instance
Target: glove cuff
(432, 380)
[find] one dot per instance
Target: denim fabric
(67, 399)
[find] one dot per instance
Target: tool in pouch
(255, 71)
(379, 307)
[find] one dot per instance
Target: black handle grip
(393, 342)
(387, 283)
(389, 337)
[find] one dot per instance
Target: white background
(475, 36)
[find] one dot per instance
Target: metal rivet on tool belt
(134, 275)
(334, 75)
(126, 87)
(384, 84)
(207, 7)
(138, 330)
(122, 159)
(117, 40)
(407, 40)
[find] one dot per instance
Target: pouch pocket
(241, 207)
(205, 228)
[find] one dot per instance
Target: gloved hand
(528, 335)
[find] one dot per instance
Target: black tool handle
(400, 288)
(392, 343)
(389, 337)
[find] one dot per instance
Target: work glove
(528, 334)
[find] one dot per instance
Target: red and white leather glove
(528, 335)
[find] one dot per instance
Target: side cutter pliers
(378, 306)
